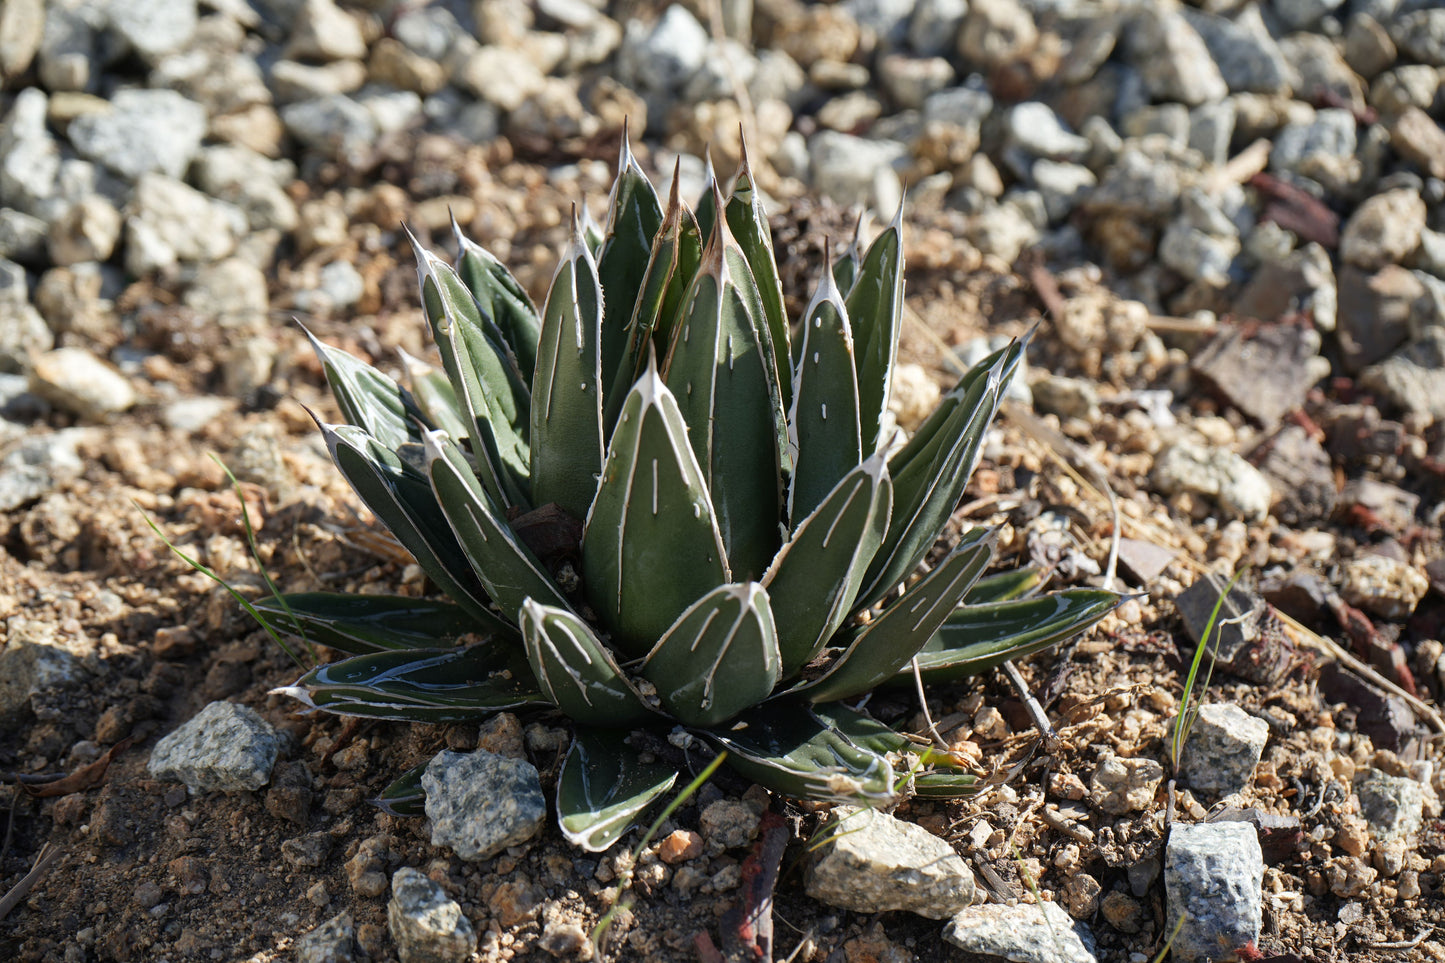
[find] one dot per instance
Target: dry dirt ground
(145, 872)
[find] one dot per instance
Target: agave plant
(657, 504)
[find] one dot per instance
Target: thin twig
(43, 861)
(1036, 711)
(1405, 944)
(923, 701)
(1331, 647)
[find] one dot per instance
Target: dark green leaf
(370, 623)
(436, 397)
(402, 498)
(506, 568)
(501, 299)
(717, 371)
(816, 576)
(928, 483)
(875, 309)
(605, 787)
(369, 399)
(719, 658)
(879, 649)
(823, 427)
(567, 388)
(485, 378)
(1005, 586)
(575, 670)
(977, 638)
(651, 545)
(405, 796)
(423, 685)
(634, 215)
(749, 225)
(828, 753)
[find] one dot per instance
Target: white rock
(480, 803)
(88, 231)
(153, 28)
(1384, 586)
(1384, 229)
(427, 925)
(30, 661)
(168, 222)
(1240, 488)
(1025, 933)
(74, 380)
(145, 131)
(870, 862)
(1223, 749)
(323, 31)
(1213, 874)
(225, 747)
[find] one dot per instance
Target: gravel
(225, 747)
(1213, 873)
(480, 803)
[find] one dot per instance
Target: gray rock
(854, 170)
(332, 942)
(392, 110)
(154, 28)
(1024, 933)
(1121, 786)
(480, 803)
(1171, 120)
(664, 57)
(1411, 85)
(870, 862)
(294, 81)
(1224, 747)
(74, 380)
(145, 131)
(1211, 128)
(427, 926)
(22, 237)
(250, 181)
(1300, 147)
(1138, 185)
(193, 414)
(1368, 47)
(215, 73)
(67, 47)
(1421, 35)
(1375, 312)
(1035, 130)
(1318, 64)
(31, 662)
(29, 156)
(1213, 874)
(340, 286)
(169, 222)
(334, 125)
(38, 465)
(997, 33)
(1300, 14)
(88, 231)
(1263, 375)
(323, 31)
(1003, 230)
(1383, 586)
(1066, 397)
(965, 107)
(911, 80)
(935, 25)
(1241, 490)
(1197, 255)
(887, 19)
(1171, 58)
(226, 747)
(1394, 806)
(231, 291)
(22, 26)
(429, 31)
(1246, 55)
(725, 63)
(501, 76)
(1413, 378)
(1063, 186)
(1384, 229)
